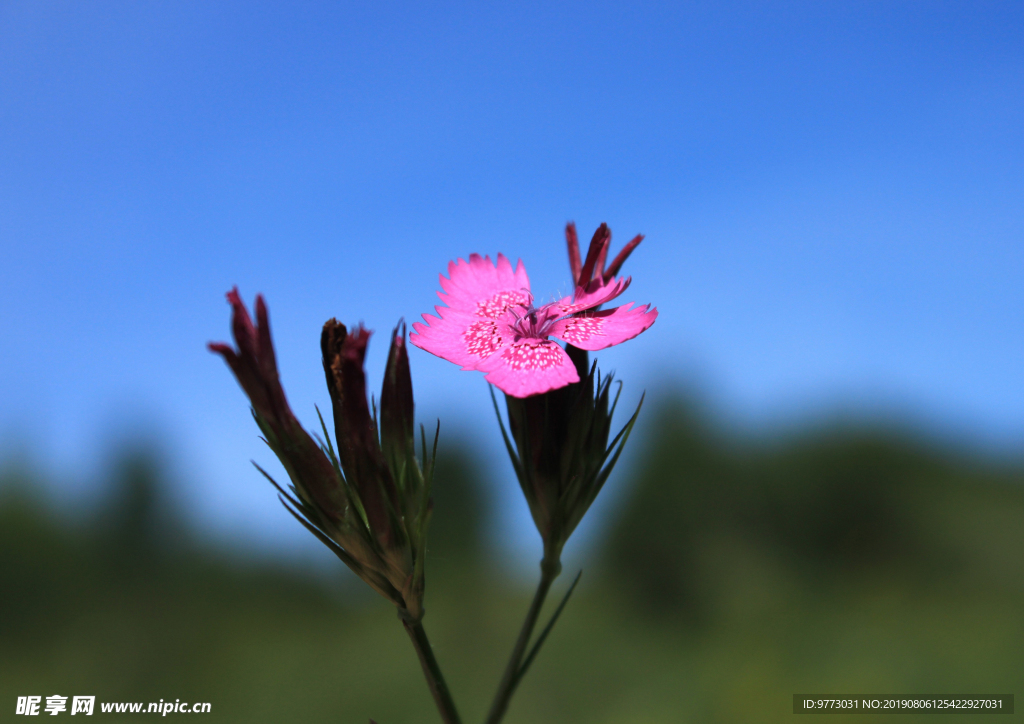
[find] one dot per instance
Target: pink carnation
(490, 323)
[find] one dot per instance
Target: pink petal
(597, 330)
(477, 293)
(594, 294)
(465, 339)
(481, 288)
(529, 367)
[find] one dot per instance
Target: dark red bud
(621, 257)
(358, 450)
(255, 368)
(331, 340)
(573, 242)
(397, 433)
(254, 364)
(598, 249)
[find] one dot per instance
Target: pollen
(532, 356)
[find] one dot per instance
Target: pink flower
(490, 323)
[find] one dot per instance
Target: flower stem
(432, 671)
(510, 679)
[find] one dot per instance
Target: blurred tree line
(735, 573)
(822, 507)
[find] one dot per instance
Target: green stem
(432, 671)
(510, 679)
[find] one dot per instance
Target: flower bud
(255, 367)
(562, 456)
(349, 500)
(397, 434)
(594, 268)
(356, 432)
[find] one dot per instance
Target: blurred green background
(736, 571)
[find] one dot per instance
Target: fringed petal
(593, 295)
(529, 367)
(465, 339)
(480, 288)
(597, 330)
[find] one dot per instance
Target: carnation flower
(491, 324)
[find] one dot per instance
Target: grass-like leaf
(535, 649)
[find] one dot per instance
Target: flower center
(534, 323)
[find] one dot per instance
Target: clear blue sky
(832, 193)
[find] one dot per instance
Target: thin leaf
(516, 463)
(547, 629)
(375, 581)
(281, 490)
(626, 429)
(624, 434)
(323, 538)
(327, 437)
(350, 492)
(376, 428)
(433, 455)
(427, 476)
(616, 402)
(425, 465)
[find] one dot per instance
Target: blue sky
(832, 193)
